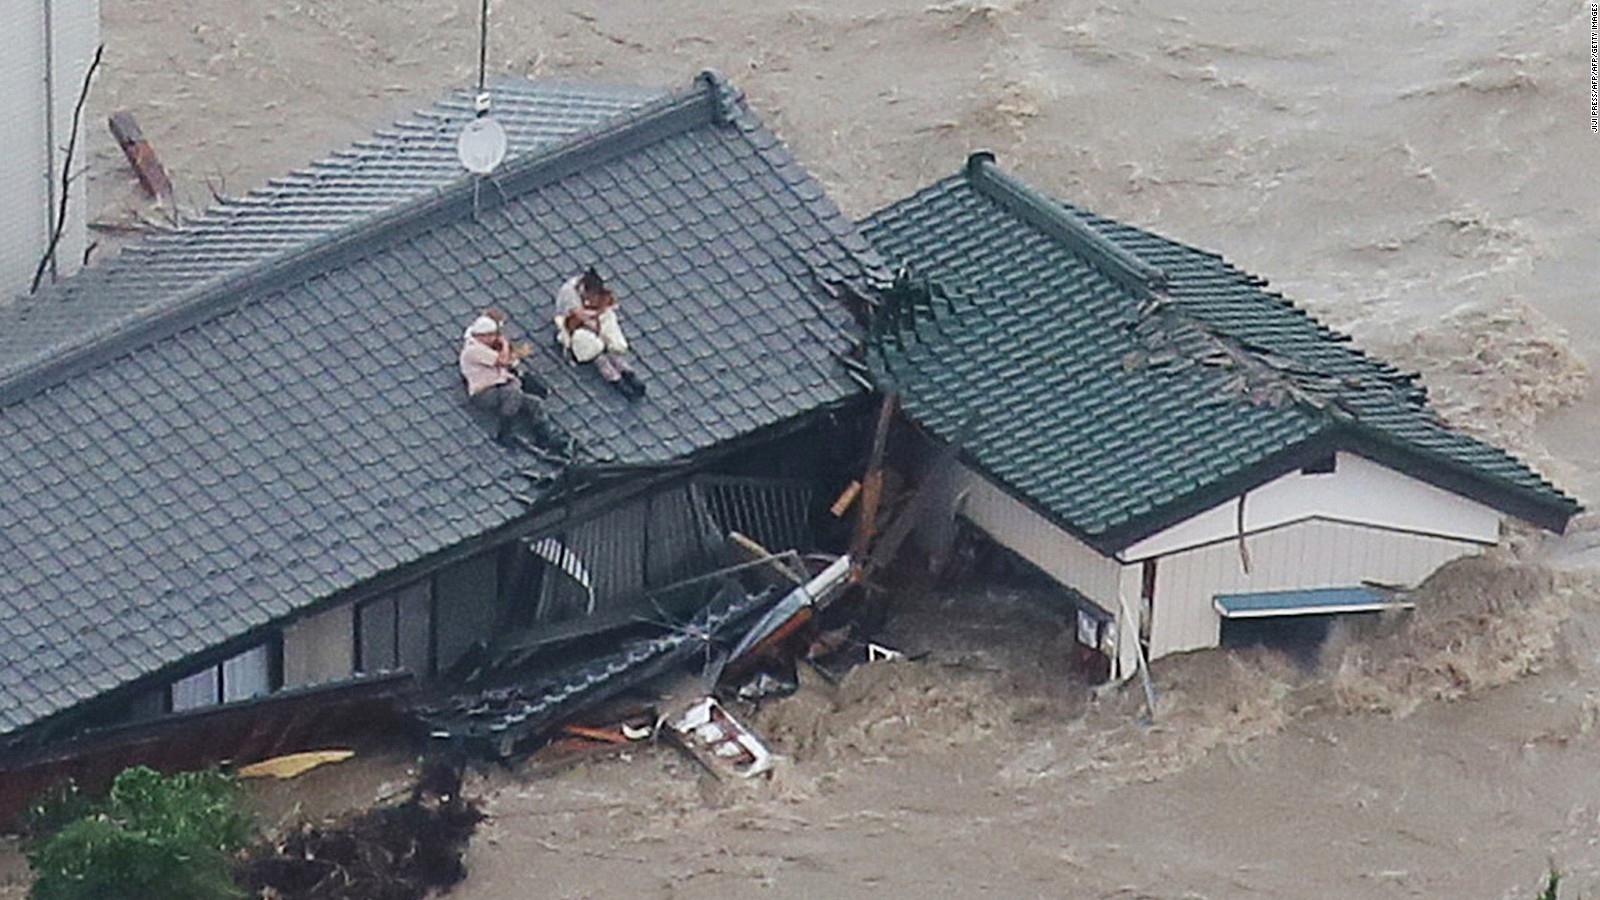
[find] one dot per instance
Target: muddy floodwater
(1421, 175)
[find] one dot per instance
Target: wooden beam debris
(847, 498)
(872, 485)
(760, 553)
(152, 175)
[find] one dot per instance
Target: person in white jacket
(588, 327)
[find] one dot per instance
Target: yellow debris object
(294, 764)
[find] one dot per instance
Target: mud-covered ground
(1419, 174)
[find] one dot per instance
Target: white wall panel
(1315, 554)
(1033, 537)
(1058, 554)
(1359, 490)
(25, 181)
(247, 675)
(195, 691)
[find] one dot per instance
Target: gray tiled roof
(413, 157)
(1120, 381)
(300, 428)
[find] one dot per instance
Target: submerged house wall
(1331, 526)
(1304, 555)
(1336, 526)
(960, 491)
(599, 555)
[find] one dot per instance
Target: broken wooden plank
(152, 175)
(847, 498)
(755, 549)
(604, 735)
(902, 522)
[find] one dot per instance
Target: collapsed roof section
(1120, 382)
(228, 444)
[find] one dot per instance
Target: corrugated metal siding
(773, 513)
(675, 533)
(1311, 554)
(624, 552)
(679, 535)
(24, 223)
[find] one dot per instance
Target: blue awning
(1319, 601)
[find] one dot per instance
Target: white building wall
(1304, 555)
(1362, 522)
(1131, 620)
(1057, 553)
(1034, 538)
(1358, 490)
(36, 99)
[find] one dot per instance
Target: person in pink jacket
(487, 364)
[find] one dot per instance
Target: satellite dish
(481, 146)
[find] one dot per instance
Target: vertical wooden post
(872, 489)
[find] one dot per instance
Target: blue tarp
(1308, 602)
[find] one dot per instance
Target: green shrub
(1552, 885)
(153, 836)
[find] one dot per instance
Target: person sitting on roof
(588, 328)
(487, 366)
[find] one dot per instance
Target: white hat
(483, 325)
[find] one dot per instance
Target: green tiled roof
(1118, 381)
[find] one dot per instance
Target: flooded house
(238, 468)
(1189, 454)
(247, 500)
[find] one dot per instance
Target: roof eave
(1551, 512)
(1120, 537)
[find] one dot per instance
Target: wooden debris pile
(1172, 339)
(403, 852)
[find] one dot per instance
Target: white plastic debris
(719, 741)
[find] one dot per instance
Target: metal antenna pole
(483, 44)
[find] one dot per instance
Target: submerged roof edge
(705, 102)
